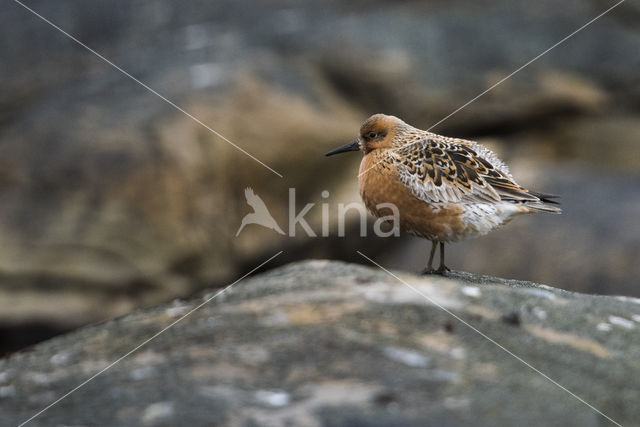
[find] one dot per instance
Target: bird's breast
(380, 184)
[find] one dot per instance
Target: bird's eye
(372, 134)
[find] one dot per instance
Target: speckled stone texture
(323, 343)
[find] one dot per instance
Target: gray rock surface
(323, 343)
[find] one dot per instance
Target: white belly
(481, 218)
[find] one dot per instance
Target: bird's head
(378, 131)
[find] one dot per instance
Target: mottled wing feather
(447, 170)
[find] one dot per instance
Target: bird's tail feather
(545, 203)
(543, 207)
(546, 198)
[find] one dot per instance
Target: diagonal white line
(174, 105)
(416, 290)
(528, 63)
(145, 342)
(509, 76)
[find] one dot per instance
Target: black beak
(352, 146)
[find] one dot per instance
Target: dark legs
(429, 269)
(443, 268)
(434, 244)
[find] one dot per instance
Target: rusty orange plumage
(445, 189)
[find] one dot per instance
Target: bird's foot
(442, 270)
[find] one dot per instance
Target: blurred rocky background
(111, 199)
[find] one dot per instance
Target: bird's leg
(443, 268)
(429, 269)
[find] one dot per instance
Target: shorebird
(446, 189)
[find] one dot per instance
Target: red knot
(445, 189)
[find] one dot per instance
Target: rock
(327, 343)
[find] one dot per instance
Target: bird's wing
(249, 194)
(254, 200)
(447, 170)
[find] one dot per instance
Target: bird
(260, 214)
(445, 189)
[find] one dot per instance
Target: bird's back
(440, 169)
